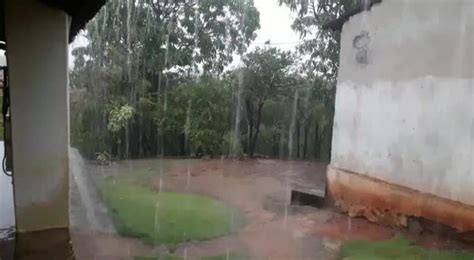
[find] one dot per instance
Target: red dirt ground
(274, 229)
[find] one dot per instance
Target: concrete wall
(37, 39)
(405, 96)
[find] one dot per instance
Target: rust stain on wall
(391, 204)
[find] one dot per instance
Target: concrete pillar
(37, 55)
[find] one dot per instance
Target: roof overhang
(81, 11)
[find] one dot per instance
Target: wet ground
(259, 188)
(274, 229)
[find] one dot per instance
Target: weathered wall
(405, 96)
(37, 39)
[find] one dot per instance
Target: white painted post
(37, 56)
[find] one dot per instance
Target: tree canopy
(137, 51)
(322, 44)
(150, 82)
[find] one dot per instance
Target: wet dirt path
(259, 188)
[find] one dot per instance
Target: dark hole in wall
(306, 199)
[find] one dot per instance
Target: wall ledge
(390, 204)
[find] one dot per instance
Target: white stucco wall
(405, 96)
(37, 40)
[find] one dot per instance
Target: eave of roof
(81, 11)
(336, 24)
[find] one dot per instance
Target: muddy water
(7, 215)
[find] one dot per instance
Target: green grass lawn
(167, 217)
(158, 258)
(232, 256)
(396, 249)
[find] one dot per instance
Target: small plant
(103, 158)
(397, 248)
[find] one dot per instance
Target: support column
(37, 55)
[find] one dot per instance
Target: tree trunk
(317, 145)
(257, 129)
(275, 145)
(250, 146)
(141, 151)
(127, 141)
(298, 126)
(305, 141)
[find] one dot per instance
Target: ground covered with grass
(167, 217)
(231, 256)
(397, 248)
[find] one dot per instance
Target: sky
(275, 26)
(275, 23)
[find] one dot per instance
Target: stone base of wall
(385, 203)
(45, 244)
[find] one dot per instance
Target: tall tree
(322, 44)
(265, 77)
(137, 50)
(198, 111)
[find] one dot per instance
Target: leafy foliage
(321, 44)
(200, 111)
(119, 117)
(138, 51)
(396, 248)
(149, 82)
(266, 76)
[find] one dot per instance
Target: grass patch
(397, 248)
(158, 258)
(232, 256)
(167, 218)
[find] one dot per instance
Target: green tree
(265, 77)
(323, 46)
(137, 51)
(321, 43)
(199, 112)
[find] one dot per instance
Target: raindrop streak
(187, 128)
(161, 182)
(129, 49)
(104, 24)
(188, 178)
(157, 224)
(287, 199)
(116, 18)
(236, 138)
(366, 4)
(366, 7)
(227, 254)
(240, 77)
(292, 125)
(232, 225)
(196, 37)
(185, 254)
(349, 227)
